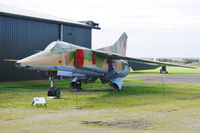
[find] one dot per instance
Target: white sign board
(39, 100)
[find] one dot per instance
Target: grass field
(141, 107)
(171, 70)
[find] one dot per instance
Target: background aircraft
(109, 64)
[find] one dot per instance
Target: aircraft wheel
(116, 88)
(78, 85)
(51, 92)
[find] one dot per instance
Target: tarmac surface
(172, 78)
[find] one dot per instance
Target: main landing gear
(76, 84)
(163, 69)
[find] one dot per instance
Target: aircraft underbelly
(118, 73)
(84, 70)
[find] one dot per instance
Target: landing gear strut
(52, 91)
(52, 75)
(52, 81)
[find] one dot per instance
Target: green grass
(20, 94)
(138, 99)
(133, 94)
(171, 70)
(64, 84)
(141, 107)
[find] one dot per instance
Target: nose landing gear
(52, 92)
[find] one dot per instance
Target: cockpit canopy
(58, 45)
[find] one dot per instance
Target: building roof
(12, 11)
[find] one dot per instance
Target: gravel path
(172, 78)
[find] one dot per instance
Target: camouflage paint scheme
(67, 56)
(61, 57)
(109, 64)
(118, 47)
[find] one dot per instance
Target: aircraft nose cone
(18, 64)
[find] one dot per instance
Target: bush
(189, 61)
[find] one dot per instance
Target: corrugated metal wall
(79, 36)
(20, 38)
(1, 52)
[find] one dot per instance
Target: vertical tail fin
(119, 47)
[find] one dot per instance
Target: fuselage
(77, 61)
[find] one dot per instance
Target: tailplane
(119, 47)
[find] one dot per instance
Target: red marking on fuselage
(79, 57)
(94, 58)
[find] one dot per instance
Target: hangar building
(23, 33)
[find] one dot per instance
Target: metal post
(61, 32)
(52, 81)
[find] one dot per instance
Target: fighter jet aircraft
(109, 64)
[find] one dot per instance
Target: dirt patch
(188, 98)
(174, 110)
(13, 119)
(92, 122)
(130, 124)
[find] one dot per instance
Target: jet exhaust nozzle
(117, 83)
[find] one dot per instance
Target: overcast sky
(156, 28)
